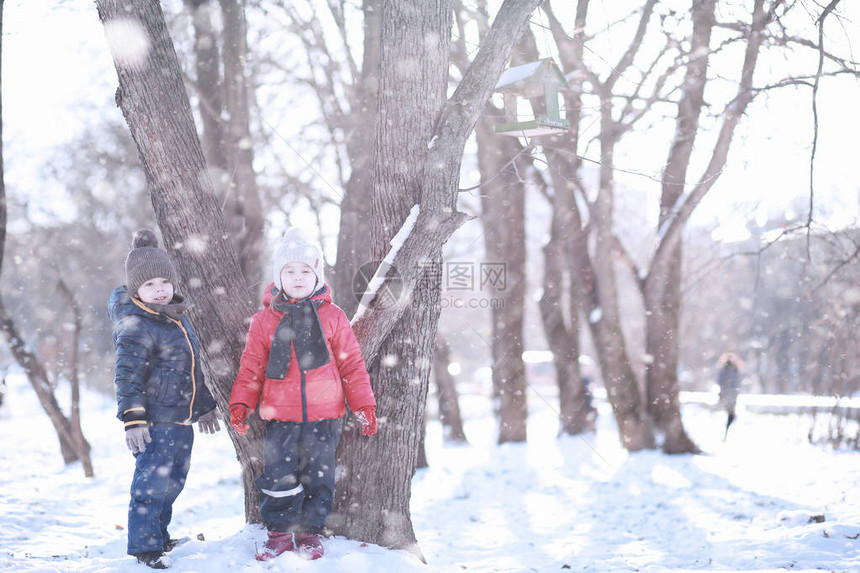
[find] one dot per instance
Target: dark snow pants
(159, 476)
(297, 485)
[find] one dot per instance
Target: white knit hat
(297, 247)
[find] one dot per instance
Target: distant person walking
(729, 380)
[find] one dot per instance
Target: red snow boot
(309, 545)
(277, 543)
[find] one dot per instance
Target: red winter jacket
(323, 389)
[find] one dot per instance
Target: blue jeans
(159, 476)
(297, 485)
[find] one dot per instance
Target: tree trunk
(446, 388)
(207, 66)
(413, 162)
(70, 448)
(561, 323)
(156, 108)
(503, 221)
(566, 234)
(662, 285)
(604, 318)
(153, 101)
(422, 462)
(503, 189)
(661, 343)
(353, 244)
(377, 509)
(82, 447)
(73, 446)
(353, 241)
(226, 136)
(593, 274)
(242, 211)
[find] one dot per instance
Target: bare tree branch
(633, 49)
(670, 232)
(814, 102)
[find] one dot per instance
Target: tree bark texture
(82, 447)
(242, 208)
(663, 284)
(503, 222)
(410, 79)
(155, 105)
(567, 233)
(560, 319)
(600, 289)
(224, 109)
(207, 66)
(353, 241)
(415, 160)
(446, 389)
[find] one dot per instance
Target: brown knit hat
(146, 261)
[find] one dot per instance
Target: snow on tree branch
(382, 270)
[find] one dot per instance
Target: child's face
(156, 291)
(298, 280)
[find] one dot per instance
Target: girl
(301, 360)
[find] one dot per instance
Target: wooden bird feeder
(530, 81)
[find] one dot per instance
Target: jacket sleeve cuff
(134, 418)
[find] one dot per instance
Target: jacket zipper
(191, 350)
(193, 378)
(304, 397)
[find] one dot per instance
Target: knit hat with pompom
(146, 261)
(296, 246)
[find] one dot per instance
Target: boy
(160, 393)
(301, 360)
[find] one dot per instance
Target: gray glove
(208, 422)
(137, 438)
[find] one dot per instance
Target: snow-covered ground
(554, 504)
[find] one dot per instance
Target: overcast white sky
(58, 76)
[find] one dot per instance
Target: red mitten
(238, 415)
(367, 417)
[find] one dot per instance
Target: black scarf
(300, 328)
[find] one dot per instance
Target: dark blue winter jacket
(158, 372)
